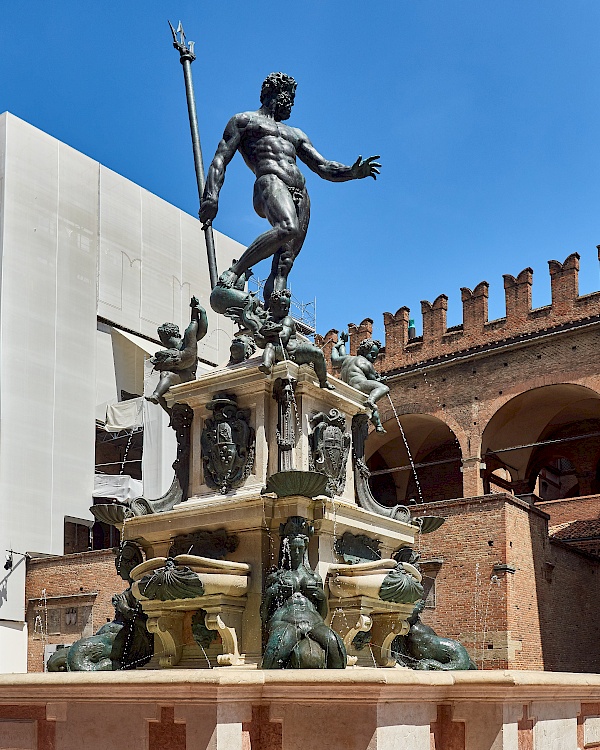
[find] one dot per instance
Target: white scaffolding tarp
(118, 486)
(160, 444)
(124, 415)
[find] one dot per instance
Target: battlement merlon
(358, 333)
(476, 330)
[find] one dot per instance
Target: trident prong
(185, 48)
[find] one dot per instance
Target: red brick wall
(527, 539)
(541, 616)
(467, 606)
(466, 395)
(70, 577)
(571, 509)
(566, 585)
(465, 375)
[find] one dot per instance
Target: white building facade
(90, 265)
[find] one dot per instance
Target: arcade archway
(435, 452)
(546, 441)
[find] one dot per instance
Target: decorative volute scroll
(187, 577)
(364, 496)
(388, 580)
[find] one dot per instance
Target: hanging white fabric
(160, 445)
(124, 415)
(118, 486)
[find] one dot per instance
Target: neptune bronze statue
(270, 149)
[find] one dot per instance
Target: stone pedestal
(247, 709)
(168, 621)
(254, 519)
(256, 392)
(385, 620)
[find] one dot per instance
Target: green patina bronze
(123, 643)
(227, 444)
(423, 649)
(293, 607)
(282, 342)
(171, 582)
(270, 148)
(400, 587)
(358, 371)
(178, 362)
(329, 448)
(296, 482)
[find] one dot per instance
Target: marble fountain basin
(216, 576)
(365, 579)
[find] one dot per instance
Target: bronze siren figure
(270, 149)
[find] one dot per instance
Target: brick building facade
(68, 597)
(502, 419)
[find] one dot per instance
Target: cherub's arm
(333, 170)
(338, 353)
(216, 172)
(198, 325)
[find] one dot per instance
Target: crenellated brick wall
(521, 320)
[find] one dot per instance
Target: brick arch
(432, 442)
(530, 417)
(576, 442)
(406, 407)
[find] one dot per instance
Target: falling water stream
(410, 458)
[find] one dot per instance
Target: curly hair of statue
(168, 330)
(283, 295)
(366, 345)
(274, 83)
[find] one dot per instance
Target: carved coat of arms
(329, 448)
(227, 444)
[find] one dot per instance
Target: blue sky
(486, 116)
